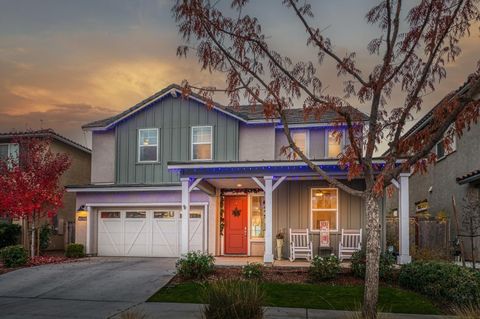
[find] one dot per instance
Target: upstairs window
(334, 145)
(301, 140)
(148, 145)
(9, 151)
(442, 151)
(202, 149)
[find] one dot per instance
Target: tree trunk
(33, 237)
(370, 298)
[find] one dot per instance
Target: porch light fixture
(81, 213)
(239, 185)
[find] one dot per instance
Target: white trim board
(126, 189)
(143, 204)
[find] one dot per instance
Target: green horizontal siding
(174, 118)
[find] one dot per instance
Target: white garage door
(149, 232)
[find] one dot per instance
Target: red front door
(236, 219)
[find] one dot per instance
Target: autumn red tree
(415, 42)
(31, 184)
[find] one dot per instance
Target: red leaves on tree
(31, 184)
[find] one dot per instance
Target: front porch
(289, 191)
(239, 261)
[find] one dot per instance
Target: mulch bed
(278, 275)
(40, 260)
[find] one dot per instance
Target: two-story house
(79, 172)
(455, 173)
(171, 175)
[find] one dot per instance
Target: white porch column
(89, 232)
(185, 214)
(268, 256)
(404, 220)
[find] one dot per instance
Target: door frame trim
(247, 196)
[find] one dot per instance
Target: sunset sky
(64, 63)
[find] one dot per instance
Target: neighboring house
(455, 173)
(79, 172)
(171, 154)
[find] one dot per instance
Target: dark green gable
(174, 117)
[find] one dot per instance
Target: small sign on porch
(324, 233)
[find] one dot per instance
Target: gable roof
(246, 113)
(46, 133)
(423, 121)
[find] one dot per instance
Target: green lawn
(312, 296)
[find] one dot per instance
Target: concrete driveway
(97, 287)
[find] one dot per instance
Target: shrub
(75, 251)
(442, 281)
(9, 234)
(428, 254)
(46, 233)
(14, 256)
(195, 265)
(324, 268)
(359, 260)
(233, 299)
(252, 271)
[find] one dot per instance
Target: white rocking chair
(350, 242)
(300, 244)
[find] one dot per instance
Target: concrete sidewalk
(155, 310)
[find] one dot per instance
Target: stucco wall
(256, 142)
(316, 143)
(441, 178)
(103, 157)
(77, 174)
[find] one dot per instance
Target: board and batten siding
(174, 118)
(291, 209)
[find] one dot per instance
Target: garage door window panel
(164, 215)
(136, 214)
(110, 215)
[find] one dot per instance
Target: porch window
(257, 217)
(202, 143)
(324, 207)
(334, 146)
(148, 145)
(301, 140)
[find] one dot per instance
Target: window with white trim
(324, 207)
(9, 151)
(147, 145)
(202, 146)
(443, 151)
(301, 140)
(334, 144)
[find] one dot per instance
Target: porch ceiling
(232, 183)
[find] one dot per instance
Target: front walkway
(154, 310)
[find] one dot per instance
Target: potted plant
(280, 237)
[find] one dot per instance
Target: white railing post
(185, 214)
(268, 256)
(404, 220)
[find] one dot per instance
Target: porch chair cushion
(300, 244)
(350, 242)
